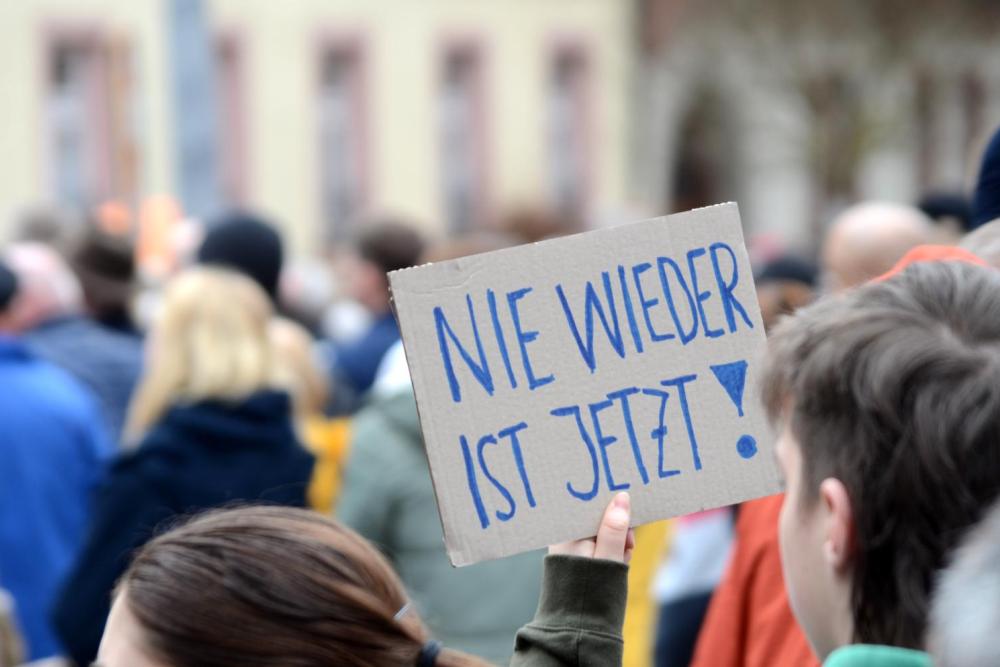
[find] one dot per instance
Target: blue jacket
(53, 450)
(358, 363)
(197, 457)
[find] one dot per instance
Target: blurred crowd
(135, 396)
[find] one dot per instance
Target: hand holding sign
(551, 376)
(615, 539)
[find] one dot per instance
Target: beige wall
(403, 42)
(25, 28)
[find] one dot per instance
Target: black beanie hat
(247, 244)
(986, 199)
(8, 286)
(789, 269)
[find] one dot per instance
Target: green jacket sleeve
(580, 615)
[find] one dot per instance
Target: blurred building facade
(441, 110)
(795, 109)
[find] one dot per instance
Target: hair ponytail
(270, 586)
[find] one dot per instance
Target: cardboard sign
(550, 376)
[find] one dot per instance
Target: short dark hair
(390, 245)
(894, 389)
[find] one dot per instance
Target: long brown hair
(270, 586)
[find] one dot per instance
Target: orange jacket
(749, 622)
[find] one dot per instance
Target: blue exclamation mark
(733, 378)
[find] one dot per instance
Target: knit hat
(247, 244)
(788, 269)
(986, 199)
(8, 286)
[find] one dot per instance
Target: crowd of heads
(883, 383)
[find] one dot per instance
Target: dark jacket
(197, 457)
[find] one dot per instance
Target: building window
(567, 129)
(341, 131)
(230, 105)
(77, 115)
(460, 114)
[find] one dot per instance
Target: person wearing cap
(53, 454)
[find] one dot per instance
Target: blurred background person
(53, 453)
(11, 644)
(388, 497)
(383, 246)
(210, 425)
(986, 196)
(248, 244)
(964, 618)
(783, 286)
(867, 239)
(104, 263)
(300, 368)
(49, 316)
(951, 213)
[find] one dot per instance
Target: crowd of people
(233, 476)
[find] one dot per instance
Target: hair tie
(429, 653)
(402, 612)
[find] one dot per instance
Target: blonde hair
(298, 368)
(209, 341)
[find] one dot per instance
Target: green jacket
(580, 615)
(866, 655)
(388, 497)
(582, 608)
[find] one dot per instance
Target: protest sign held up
(550, 376)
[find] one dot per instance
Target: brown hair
(894, 389)
(270, 586)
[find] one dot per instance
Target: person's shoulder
(869, 655)
(388, 427)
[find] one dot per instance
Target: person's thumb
(612, 535)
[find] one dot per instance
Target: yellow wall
(24, 25)
(403, 41)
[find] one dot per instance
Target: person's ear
(838, 542)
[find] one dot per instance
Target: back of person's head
(47, 287)
(867, 239)
(263, 587)
(383, 245)
(986, 197)
(210, 340)
(248, 244)
(46, 224)
(105, 266)
(784, 285)
(390, 244)
(965, 613)
(891, 395)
